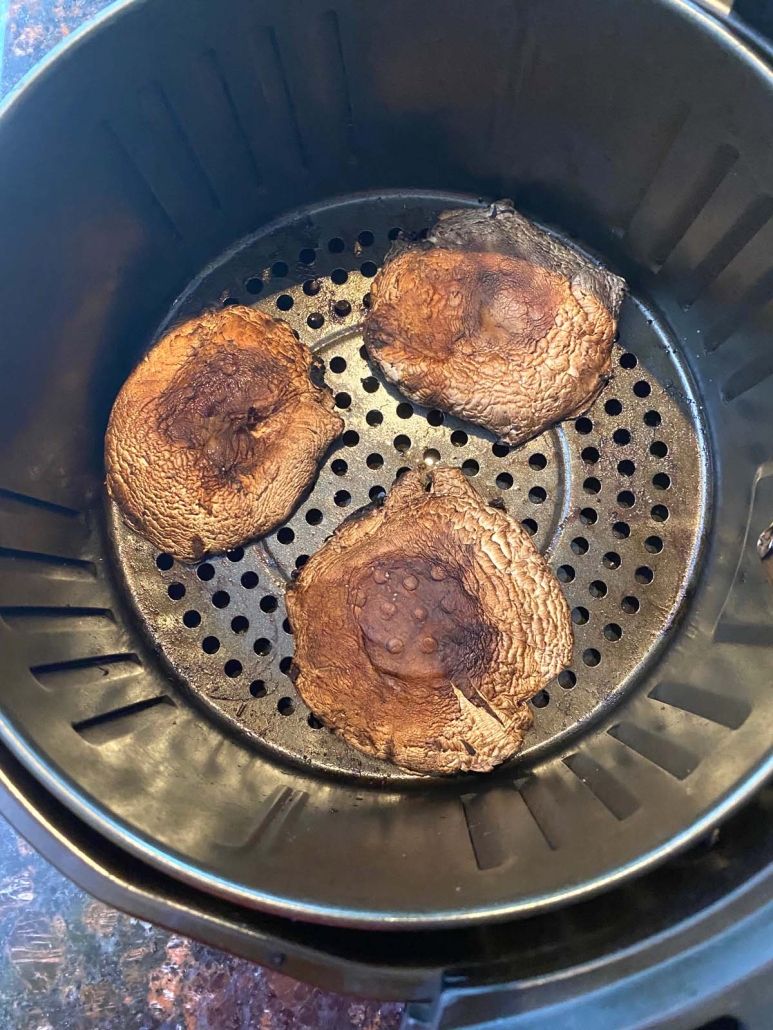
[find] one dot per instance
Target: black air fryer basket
(178, 157)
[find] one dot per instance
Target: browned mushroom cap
(217, 433)
(423, 627)
(494, 320)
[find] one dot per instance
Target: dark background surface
(68, 962)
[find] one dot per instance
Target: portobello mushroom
(496, 321)
(423, 626)
(217, 433)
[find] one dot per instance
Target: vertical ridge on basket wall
(273, 819)
(218, 147)
(419, 122)
(725, 710)
(603, 785)
(79, 672)
(309, 51)
(56, 566)
(134, 184)
(663, 139)
(115, 723)
(239, 135)
(101, 695)
(728, 222)
(672, 758)
(52, 601)
(45, 557)
(484, 830)
(30, 578)
(693, 168)
(521, 49)
(705, 225)
(575, 797)
(741, 291)
(340, 79)
(502, 828)
(751, 344)
(747, 377)
(30, 524)
(279, 103)
(250, 68)
(723, 271)
(151, 134)
(44, 635)
(542, 809)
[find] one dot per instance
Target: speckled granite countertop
(32, 27)
(68, 962)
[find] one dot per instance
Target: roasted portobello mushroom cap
(422, 627)
(217, 433)
(494, 320)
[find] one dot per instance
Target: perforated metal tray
(616, 499)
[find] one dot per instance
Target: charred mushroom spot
(515, 298)
(443, 639)
(215, 402)
(317, 372)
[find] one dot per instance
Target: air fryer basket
(165, 162)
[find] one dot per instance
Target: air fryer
(164, 162)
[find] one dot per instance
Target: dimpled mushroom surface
(496, 321)
(422, 628)
(217, 433)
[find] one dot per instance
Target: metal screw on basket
(765, 543)
(765, 550)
